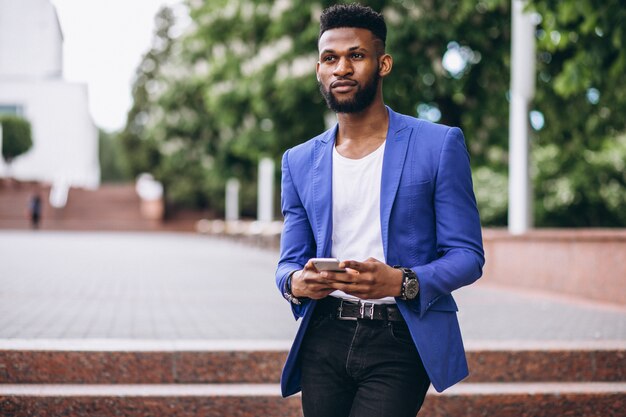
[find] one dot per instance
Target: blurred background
(167, 115)
(197, 93)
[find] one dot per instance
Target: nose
(343, 68)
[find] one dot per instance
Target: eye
(358, 55)
(328, 58)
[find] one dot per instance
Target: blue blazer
(429, 222)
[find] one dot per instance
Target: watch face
(411, 289)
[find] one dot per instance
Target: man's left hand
(370, 279)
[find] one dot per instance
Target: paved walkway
(164, 286)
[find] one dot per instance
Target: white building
(65, 139)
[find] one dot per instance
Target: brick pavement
(165, 286)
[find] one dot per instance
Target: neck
(361, 133)
(370, 124)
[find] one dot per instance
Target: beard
(361, 100)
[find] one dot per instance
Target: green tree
(579, 154)
(240, 85)
(259, 88)
(422, 36)
(113, 164)
(255, 94)
(168, 131)
(137, 136)
(16, 137)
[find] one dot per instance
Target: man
(390, 196)
(34, 210)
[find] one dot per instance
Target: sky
(104, 41)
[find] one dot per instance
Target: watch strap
(287, 291)
(407, 275)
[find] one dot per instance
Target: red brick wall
(589, 263)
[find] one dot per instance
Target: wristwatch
(410, 284)
(287, 291)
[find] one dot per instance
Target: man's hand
(310, 283)
(370, 279)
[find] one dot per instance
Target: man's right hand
(309, 283)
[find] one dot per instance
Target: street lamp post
(522, 92)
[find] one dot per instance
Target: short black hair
(353, 15)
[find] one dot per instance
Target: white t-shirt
(356, 211)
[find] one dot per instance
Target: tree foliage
(113, 159)
(579, 155)
(240, 85)
(140, 135)
(16, 137)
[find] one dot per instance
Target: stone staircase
(14, 199)
(108, 378)
(114, 207)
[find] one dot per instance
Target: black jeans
(364, 368)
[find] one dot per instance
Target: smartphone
(327, 264)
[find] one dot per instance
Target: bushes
(16, 137)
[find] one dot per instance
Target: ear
(385, 63)
(317, 71)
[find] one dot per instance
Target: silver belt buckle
(370, 314)
(340, 317)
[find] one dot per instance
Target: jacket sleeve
(460, 255)
(297, 243)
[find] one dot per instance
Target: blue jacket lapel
(393, 163)
(322, 180)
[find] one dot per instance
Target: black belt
(351, 310)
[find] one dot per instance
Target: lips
(343, 84)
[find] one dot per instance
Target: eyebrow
(351, 49)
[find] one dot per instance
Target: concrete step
(163, 362)
(546, 361)
(212, 400)
(588, 399)
(179, 400)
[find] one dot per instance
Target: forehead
(345, 38)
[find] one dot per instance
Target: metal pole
(232, 199)
(266, 191)
(522, 92)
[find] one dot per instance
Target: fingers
(339, 277)
(312, 284)
(369, 265)
(314, 288)
(357, 266)
(347, 287)
(361, 279)
(319, 293)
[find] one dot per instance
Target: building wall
(65, 139)
(31, 41)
